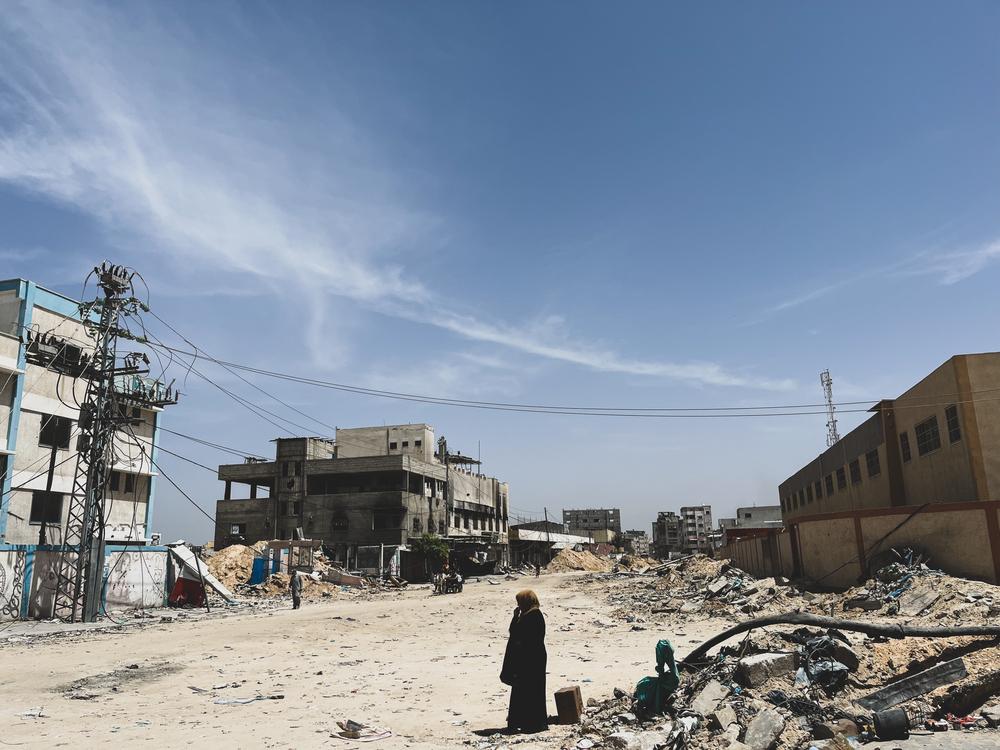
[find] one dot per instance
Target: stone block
(764, 730)
(755, 670)
(722, 718)
(709, 698)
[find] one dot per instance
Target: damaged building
(39, 415)
(922, 471)
(368, 492)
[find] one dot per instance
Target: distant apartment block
(667, 533)
(635, 542)
(696, 528)
(593, 519)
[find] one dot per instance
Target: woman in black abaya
(524, 666)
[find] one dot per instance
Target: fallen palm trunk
(820, 621)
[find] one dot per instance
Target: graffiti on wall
(11, 583)
(135, 579)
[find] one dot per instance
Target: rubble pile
(232, 565)
(276, 585)
(789, 688)
(569, 560)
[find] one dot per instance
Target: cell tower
(111, 387)
(832, 436)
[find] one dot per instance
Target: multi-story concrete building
(667, 533)
(593, 519)
(923, 470)
(38, 426)
(635, 542)
(370, 488)
(939, 442)
(696, 528)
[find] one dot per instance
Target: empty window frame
(406, 443)
(809, 494)
(954, 429)
(417, 524)
(284, 468)
(130, 482)
(904, 446)
(115, 481)
(392, 446)
(928, 436)
(54, 432)
(237, 529)
(417, 443)
(855, 471)
(46, 507)
(818, 489)
(829, 484)
(841, 478)
(874, 465)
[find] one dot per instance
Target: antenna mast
(832, 436)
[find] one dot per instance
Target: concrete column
(229, 490)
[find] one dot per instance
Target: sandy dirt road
(426, 667)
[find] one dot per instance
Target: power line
(245, 380)
(707, 412)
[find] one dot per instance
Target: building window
(238, 529)
(841, 478)
(417, 525)
(284, 468)
(54, 432)
(904, 446)
(829, 484)
(338, 524)
(298, 468)
(417, 443)
(295, 507)
(855, 472)
(283, 507)
(130, 482)
(818, 489)
(809, 496)
(392, 446)
(442, 527)
(46, 507)
(115, 481)
(874, 466)
(954, 430)
(386, 519)
(928, 437)
(406, 443)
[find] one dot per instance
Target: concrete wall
(963, 539)
(983, 414)
(944, 475)
(828, 550)
(386, 441)
(136, 577)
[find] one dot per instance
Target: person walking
(295, 586)
(524, 666)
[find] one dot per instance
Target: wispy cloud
(105, 114)
(953, 267)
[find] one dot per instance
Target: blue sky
(649, 204)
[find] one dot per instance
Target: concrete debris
(709, 698)
(755, 670)
(764, 730)
(805, 685)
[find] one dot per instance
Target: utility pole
(110, 389)
(548, 536)
(832, 436)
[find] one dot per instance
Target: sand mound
(232, 565)
(568, 560)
